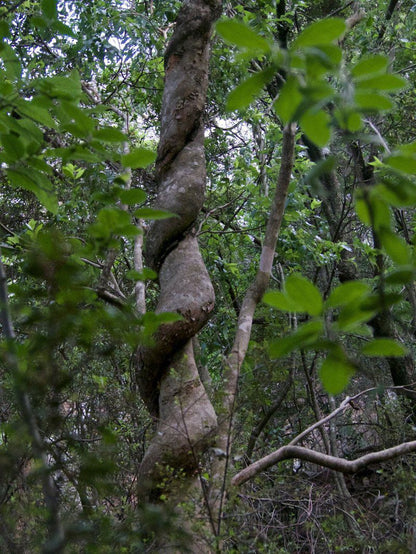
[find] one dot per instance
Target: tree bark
(167, 374)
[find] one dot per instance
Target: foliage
(80, 96)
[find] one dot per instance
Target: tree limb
(331, 462)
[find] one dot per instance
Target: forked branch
(291, 451)
(331, 462)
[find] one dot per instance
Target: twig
(13, 8)
(377, 132)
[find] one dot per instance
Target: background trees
(81, 93)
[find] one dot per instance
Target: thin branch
(379, 136)
(50, 491)
(140, 286)
(341, 9)
(13, 8)
(255, 433)
(252, 297)
(6, 229)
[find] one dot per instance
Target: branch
(389, 13)
(255, 433)
(50, 490)
(354, 19)
(252, 297)
(331, 462)
(13, 8)
(5, 317)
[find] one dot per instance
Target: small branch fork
(332, 462)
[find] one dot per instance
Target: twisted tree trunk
(167, 375)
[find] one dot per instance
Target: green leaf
(38, 22)
(318, 62)
(151, 213)
(76, 120)
(370, 101)
(335, 373)
(113, 221)
(368, 66)
(67, 87)
(6, 87)
(354, 122)
(109, 134)
(246, 91)
(49, 8)
(373, 210)
(319, 169)
(300, 296)
(11, 62)
(384, 347)
(408, 149)
(386, 82)
(304, 293)
(4, 29)
(395, 247)
(379, 302)
(397, 193)
(321, 32)
(242, 36)
(132, 196)
(407, 164)
(77, 152)
(289, 100)
(63, 29)
(362, 209)
(347, 293)
(37, 113)
(315, 125)
(332, 53)
(37, 183)
(144, 275)
(13, 147)
(401, 276)
(138, 158)
(305, 337)
(353, 315)
(279, 300)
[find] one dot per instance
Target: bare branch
(331, 462)
(245, 320)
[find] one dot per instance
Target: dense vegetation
(81, 92)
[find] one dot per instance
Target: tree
(312, 117)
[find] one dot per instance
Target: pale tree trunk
(243, 332)
(167, 374)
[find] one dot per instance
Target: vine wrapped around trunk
(167, 375)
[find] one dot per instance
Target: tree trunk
(167, 374)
